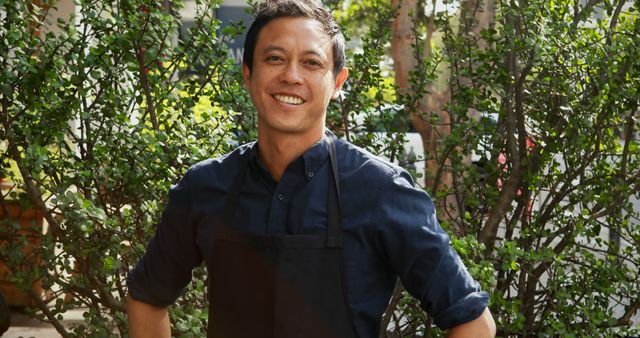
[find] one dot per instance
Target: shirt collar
(313, 158)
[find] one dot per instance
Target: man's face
(292, 80)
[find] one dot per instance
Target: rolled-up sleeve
(164, 271)
(419, 250)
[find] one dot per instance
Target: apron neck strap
(232, 196)
(334, 226)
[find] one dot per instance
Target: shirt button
(310, 174)
(280, 197)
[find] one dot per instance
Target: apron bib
(280, 286)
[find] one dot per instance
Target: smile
(288, 99)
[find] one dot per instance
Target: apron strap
(334, 226)
(234, 191)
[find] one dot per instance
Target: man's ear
(341, 77)
(246, 75)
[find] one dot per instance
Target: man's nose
(291, 73)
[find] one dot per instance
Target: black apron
(279, 286)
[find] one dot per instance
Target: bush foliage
(102, 111)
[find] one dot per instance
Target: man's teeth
(288, 99)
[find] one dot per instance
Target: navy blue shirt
(390, 230)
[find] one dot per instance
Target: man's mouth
(288, 99)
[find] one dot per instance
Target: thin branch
(52, 318)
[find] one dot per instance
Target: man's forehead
(282, 29)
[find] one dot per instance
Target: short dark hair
(273, 9)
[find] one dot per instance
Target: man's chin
(291, 130)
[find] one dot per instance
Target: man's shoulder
(361, 164)
(222, 167)
(368, 181)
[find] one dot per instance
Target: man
(303, 234)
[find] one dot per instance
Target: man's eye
(273, 58)
(314, 63)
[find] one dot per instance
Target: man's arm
(146, 320)
(481, 327)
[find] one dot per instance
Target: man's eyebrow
(270, 48)
(313, 52)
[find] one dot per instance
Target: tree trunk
(437, 174)
(428, 115)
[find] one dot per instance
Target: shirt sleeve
(419, 250)
(164, 271)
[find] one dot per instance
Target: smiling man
(303, 234)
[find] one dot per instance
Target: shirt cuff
(464, 310)
(140, 290)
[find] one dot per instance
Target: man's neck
(278, 151)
